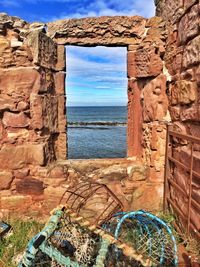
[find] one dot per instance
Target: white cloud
(97, 8)
(10, 3)
(96, 74)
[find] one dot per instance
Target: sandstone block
(189, 3)
(57, 172)
(62, 120)
(142, 197)
(15, 120)
(6, 103)
(144, 63)
(174, 113)
(191, 54)
(174, 60)
(44, 112)
(29, 186)
(43, 48)
(17, 157)
(98, 31)
(61, 58)
(22, 173)
(19, 82)
(13, 52)
(183, 92)
(47, 83)
(22, 105)
(60, 142)
(6, 179)
(60, 82)
(189, 25)
(190, 113)
(53, 195)
(58, 182)
(155, 101)
(17, 135)
(17, 202)
(137, 173)
(134, 131)
(197, 74)
(156, 176)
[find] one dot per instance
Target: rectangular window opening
(96, 90)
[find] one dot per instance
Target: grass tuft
(17, 239)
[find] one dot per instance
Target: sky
(95, 76)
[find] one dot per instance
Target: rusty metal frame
(78, 196)
(170, 163)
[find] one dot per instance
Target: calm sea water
(96, 141)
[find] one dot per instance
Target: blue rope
(34, 244)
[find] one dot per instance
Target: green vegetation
(16, 240)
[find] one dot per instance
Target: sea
(96, 132)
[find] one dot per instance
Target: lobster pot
(70, 240)
(147, 234)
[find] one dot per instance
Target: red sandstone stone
(30, 186)
(22, 173)
(44, 49)
(118, 30)
(44, 112)
(17, 135)
(61, 58)
(19, 82)
(142, 197)
(174, 113)
(15, 120)
(7, 104)
(183, 92)
(60, 82)
(155, 101)
(191, 113)
(134, 134)
(189, 25)
(57, 172)
(144, 63)
(16, 203)
(60, 142)
(46, 81)
(191, 54)
(22, 105)
(19, 156)
(62, 120)
(5, 180)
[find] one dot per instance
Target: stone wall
(182, 59)
(32, 117)
(32, 108)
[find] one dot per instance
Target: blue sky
(95, 76)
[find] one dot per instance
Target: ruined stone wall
(32, 103)
(182, 60)
(32, 108)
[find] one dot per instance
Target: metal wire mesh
(80, 246)
(147, 234)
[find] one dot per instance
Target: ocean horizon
(96, 131)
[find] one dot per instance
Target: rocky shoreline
(96, 123)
